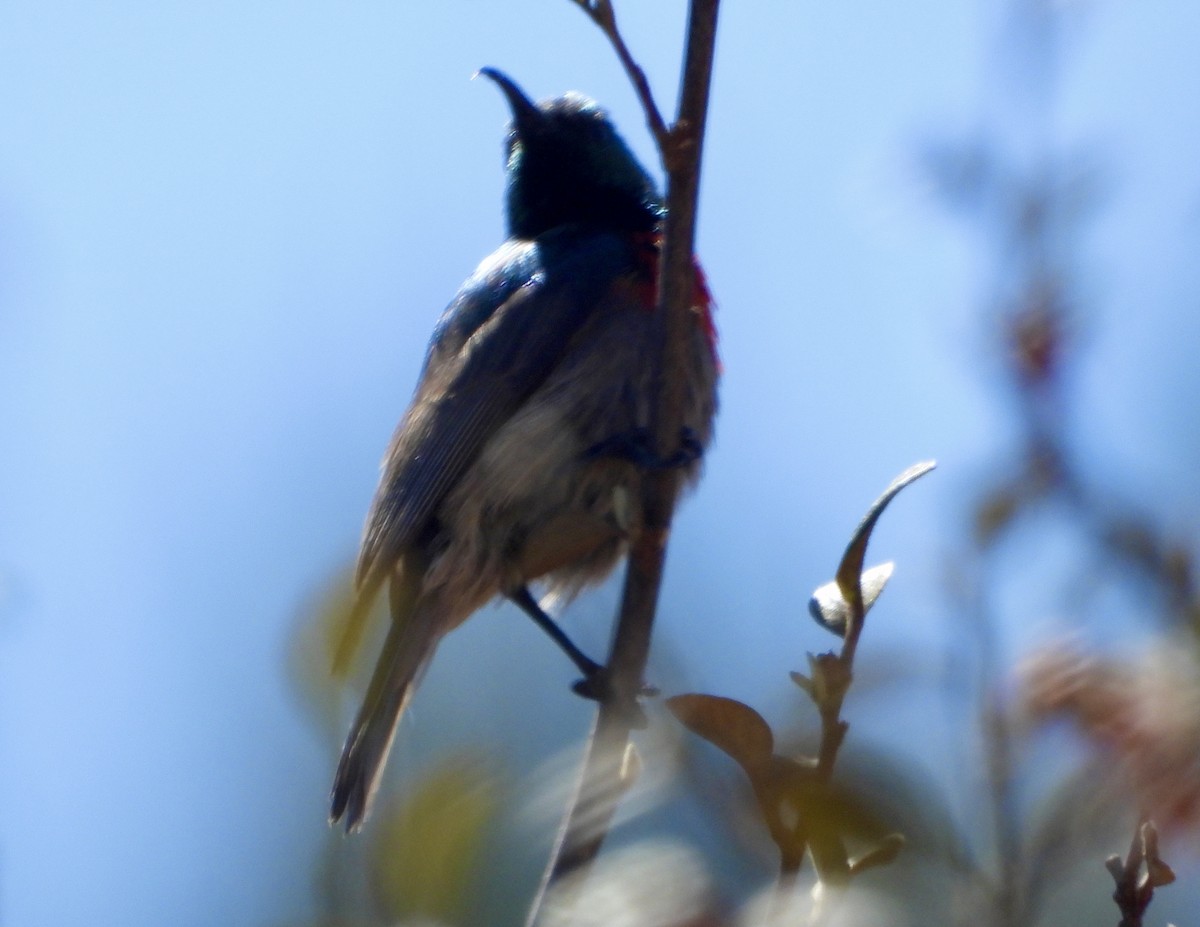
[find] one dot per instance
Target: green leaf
(996, 512)
(321, 627)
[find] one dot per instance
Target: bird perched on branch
(522, 454)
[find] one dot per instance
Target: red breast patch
(649, 249)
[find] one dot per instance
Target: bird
(521, 456)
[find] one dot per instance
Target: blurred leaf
(730, 725)
(829, 856)
(829, 607)
(428, 847)
(870, 802)
(994, 513)
(789, 799)
(802, 811)
(321, 626)
(351, 621)
(881, 795)
(795, 790)
(1158, 873)
(882, 853)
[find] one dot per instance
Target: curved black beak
(526, 115)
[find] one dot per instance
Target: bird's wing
(497, 342)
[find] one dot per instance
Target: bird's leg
(525, 601)
(637, 446)
(594, 682)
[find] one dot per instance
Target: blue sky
(226, 230)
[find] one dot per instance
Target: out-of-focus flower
(1145, 713)
(851, 907)
(650, 884)
(1037, 335)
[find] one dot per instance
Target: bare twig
(604, 777)
(602, 14)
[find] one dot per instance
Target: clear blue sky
(226, 230)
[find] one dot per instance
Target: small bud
(829, 607)
(803, 682)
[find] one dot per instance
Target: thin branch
(836, 673)
(605, 775)
(1002, 805)
(1008, 892)
(601, 13)
(833, 728)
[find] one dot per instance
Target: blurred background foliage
(961, 230)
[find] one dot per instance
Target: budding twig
(1141, 872)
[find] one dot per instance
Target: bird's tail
(411, 641)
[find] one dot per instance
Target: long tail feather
(411, 641)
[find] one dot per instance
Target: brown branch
(605, 778)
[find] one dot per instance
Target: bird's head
(567, 164)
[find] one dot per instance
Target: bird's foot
(597, 686)
(637, 446)
(596, 683)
